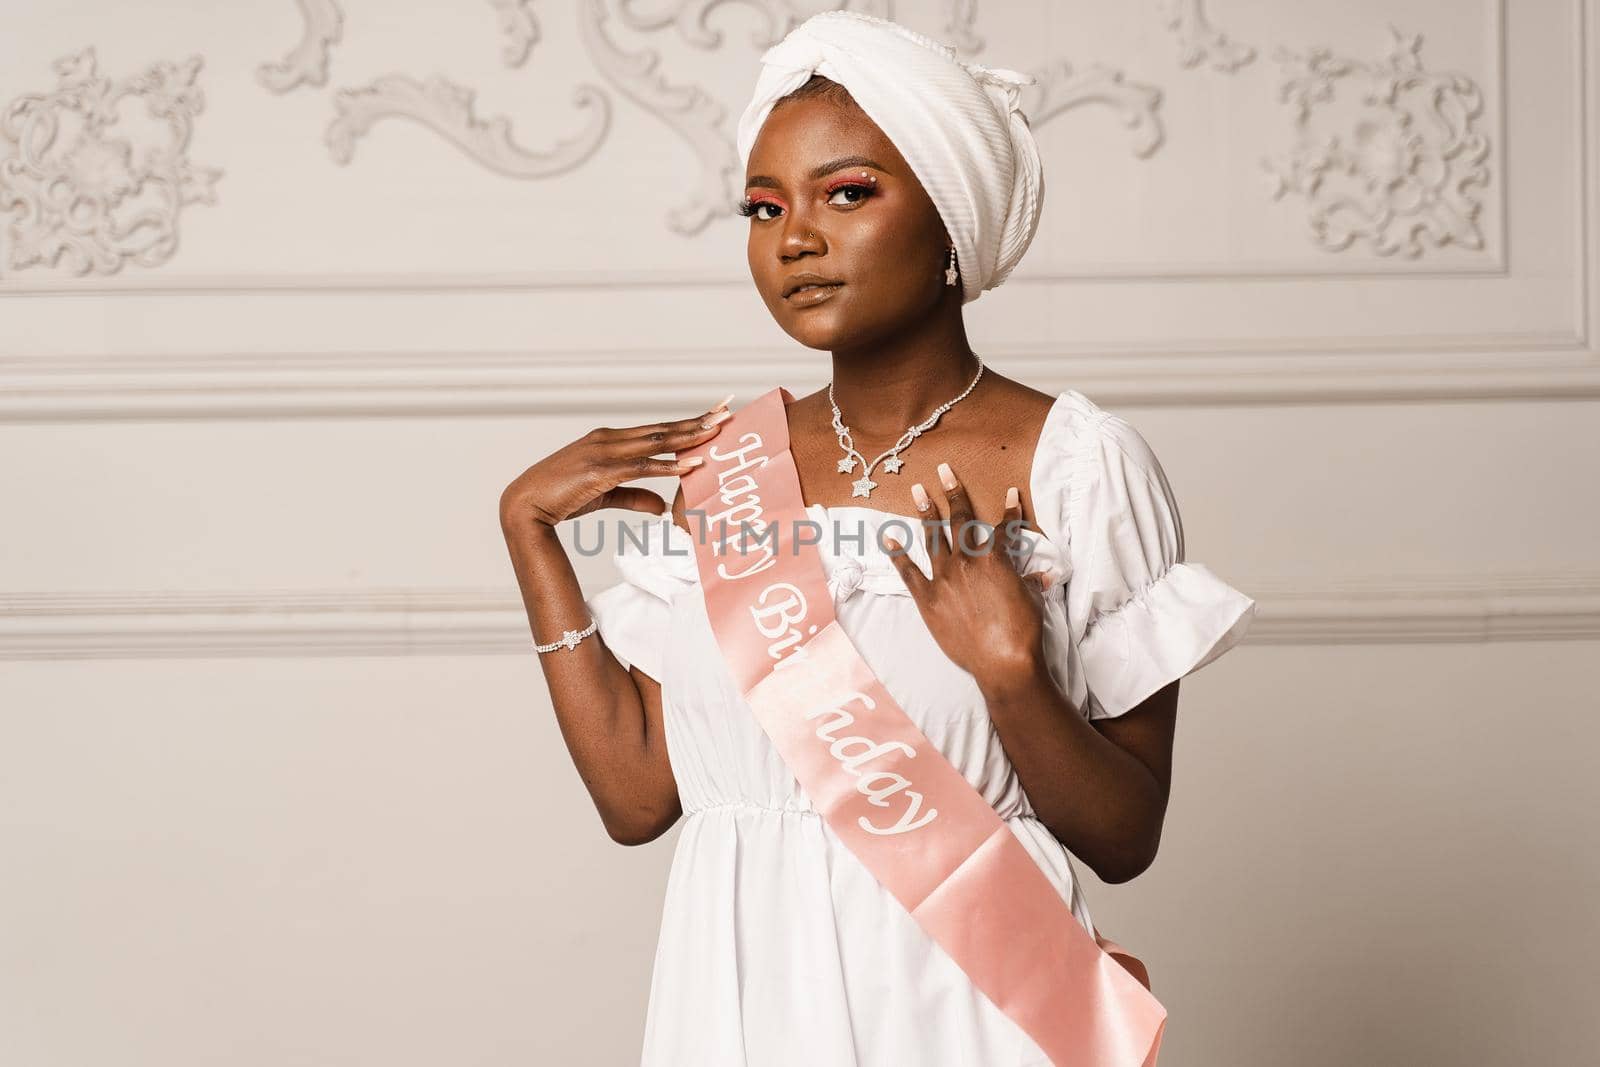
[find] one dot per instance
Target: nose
(799, 236)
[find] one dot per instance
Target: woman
(888, 184)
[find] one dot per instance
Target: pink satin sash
(894, 800)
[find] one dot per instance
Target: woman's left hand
(985, 616)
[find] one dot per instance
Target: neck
(884, 387)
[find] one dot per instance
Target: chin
(816, 327)
(813, 331)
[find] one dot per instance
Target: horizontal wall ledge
(1281, 371)
(330, 622)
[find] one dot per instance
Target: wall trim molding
(1511, 606)
(663, 381)
(355, 282)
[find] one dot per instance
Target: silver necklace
(864, 485)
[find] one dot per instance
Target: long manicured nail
(920, 496)
(716, 420)
(722, 403)
(1013, 499)
(947, 477)
(692, 461)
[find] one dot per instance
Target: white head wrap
(959, 125)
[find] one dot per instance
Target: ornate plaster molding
(1201, 42)
(447, 109)
(1407, 172)
(77, 191)
(307, 62)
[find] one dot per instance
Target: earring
(950, 271)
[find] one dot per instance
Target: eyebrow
(821, 171)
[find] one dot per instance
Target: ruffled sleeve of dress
(634, 616)
(1147, 615)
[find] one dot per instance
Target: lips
(806, 279)
(811, 295)
(810, 288)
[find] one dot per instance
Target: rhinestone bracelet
(569, 639)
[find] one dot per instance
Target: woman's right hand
(589, 473)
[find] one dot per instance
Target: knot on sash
(847, 576)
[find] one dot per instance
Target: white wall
(279, 780)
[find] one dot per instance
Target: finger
(629, 458)
(932, 539)
(708, 420)
(958, 508)
(635, 498)
(668, 433)
(679, 435)
(1011, 526)
(617, 469)
(910, 573)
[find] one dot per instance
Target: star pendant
(846, 465)
(893, 464)
(864, 487)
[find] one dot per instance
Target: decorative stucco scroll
(80, 186)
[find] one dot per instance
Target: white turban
(959, 125)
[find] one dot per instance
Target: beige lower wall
(1374, 855)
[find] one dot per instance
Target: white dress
(777, 947)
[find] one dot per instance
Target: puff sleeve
(1150, 617)
(634, 616)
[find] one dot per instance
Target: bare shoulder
(1002, 451)
(1023, 403)
(1022, 410)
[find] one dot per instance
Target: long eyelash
(869, 189)
(747, 207)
